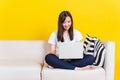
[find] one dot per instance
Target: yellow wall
(36, 19)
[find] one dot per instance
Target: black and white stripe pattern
(88, 45)
(99, 53)
(95, 47)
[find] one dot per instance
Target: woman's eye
(68, 21)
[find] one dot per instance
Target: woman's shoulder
(76, 31)
(78, 35)
(54, 33)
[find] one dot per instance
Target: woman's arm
(52, 49)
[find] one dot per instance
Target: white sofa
(24, 60)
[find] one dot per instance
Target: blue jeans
(55, 62)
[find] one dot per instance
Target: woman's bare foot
(84, 68)
(50, 67)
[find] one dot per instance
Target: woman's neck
(65, 33)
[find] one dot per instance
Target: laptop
(71, 50)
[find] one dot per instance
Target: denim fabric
(55, 62)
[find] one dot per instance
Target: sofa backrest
(34, 50)
(23, 50)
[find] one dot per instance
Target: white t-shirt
(53, 39)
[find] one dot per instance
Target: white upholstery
(63, 74)
(22, 51)
(23, 60)
(17, 71)
(109, 60)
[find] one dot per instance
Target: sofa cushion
(23, 50)
(89, 45)
(63, 74)
(19, 71)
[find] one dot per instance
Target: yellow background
(36, 19)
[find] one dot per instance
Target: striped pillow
(89, 45)
(99, 53)
(95, 47)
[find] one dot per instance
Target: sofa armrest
(109, 60)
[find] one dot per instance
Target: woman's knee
(49, 57)
(91, 59)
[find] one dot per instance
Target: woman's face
(67, 23)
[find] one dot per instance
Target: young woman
(66, 33)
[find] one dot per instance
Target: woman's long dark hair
(61, 19)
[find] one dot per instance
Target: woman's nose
(66, 24)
